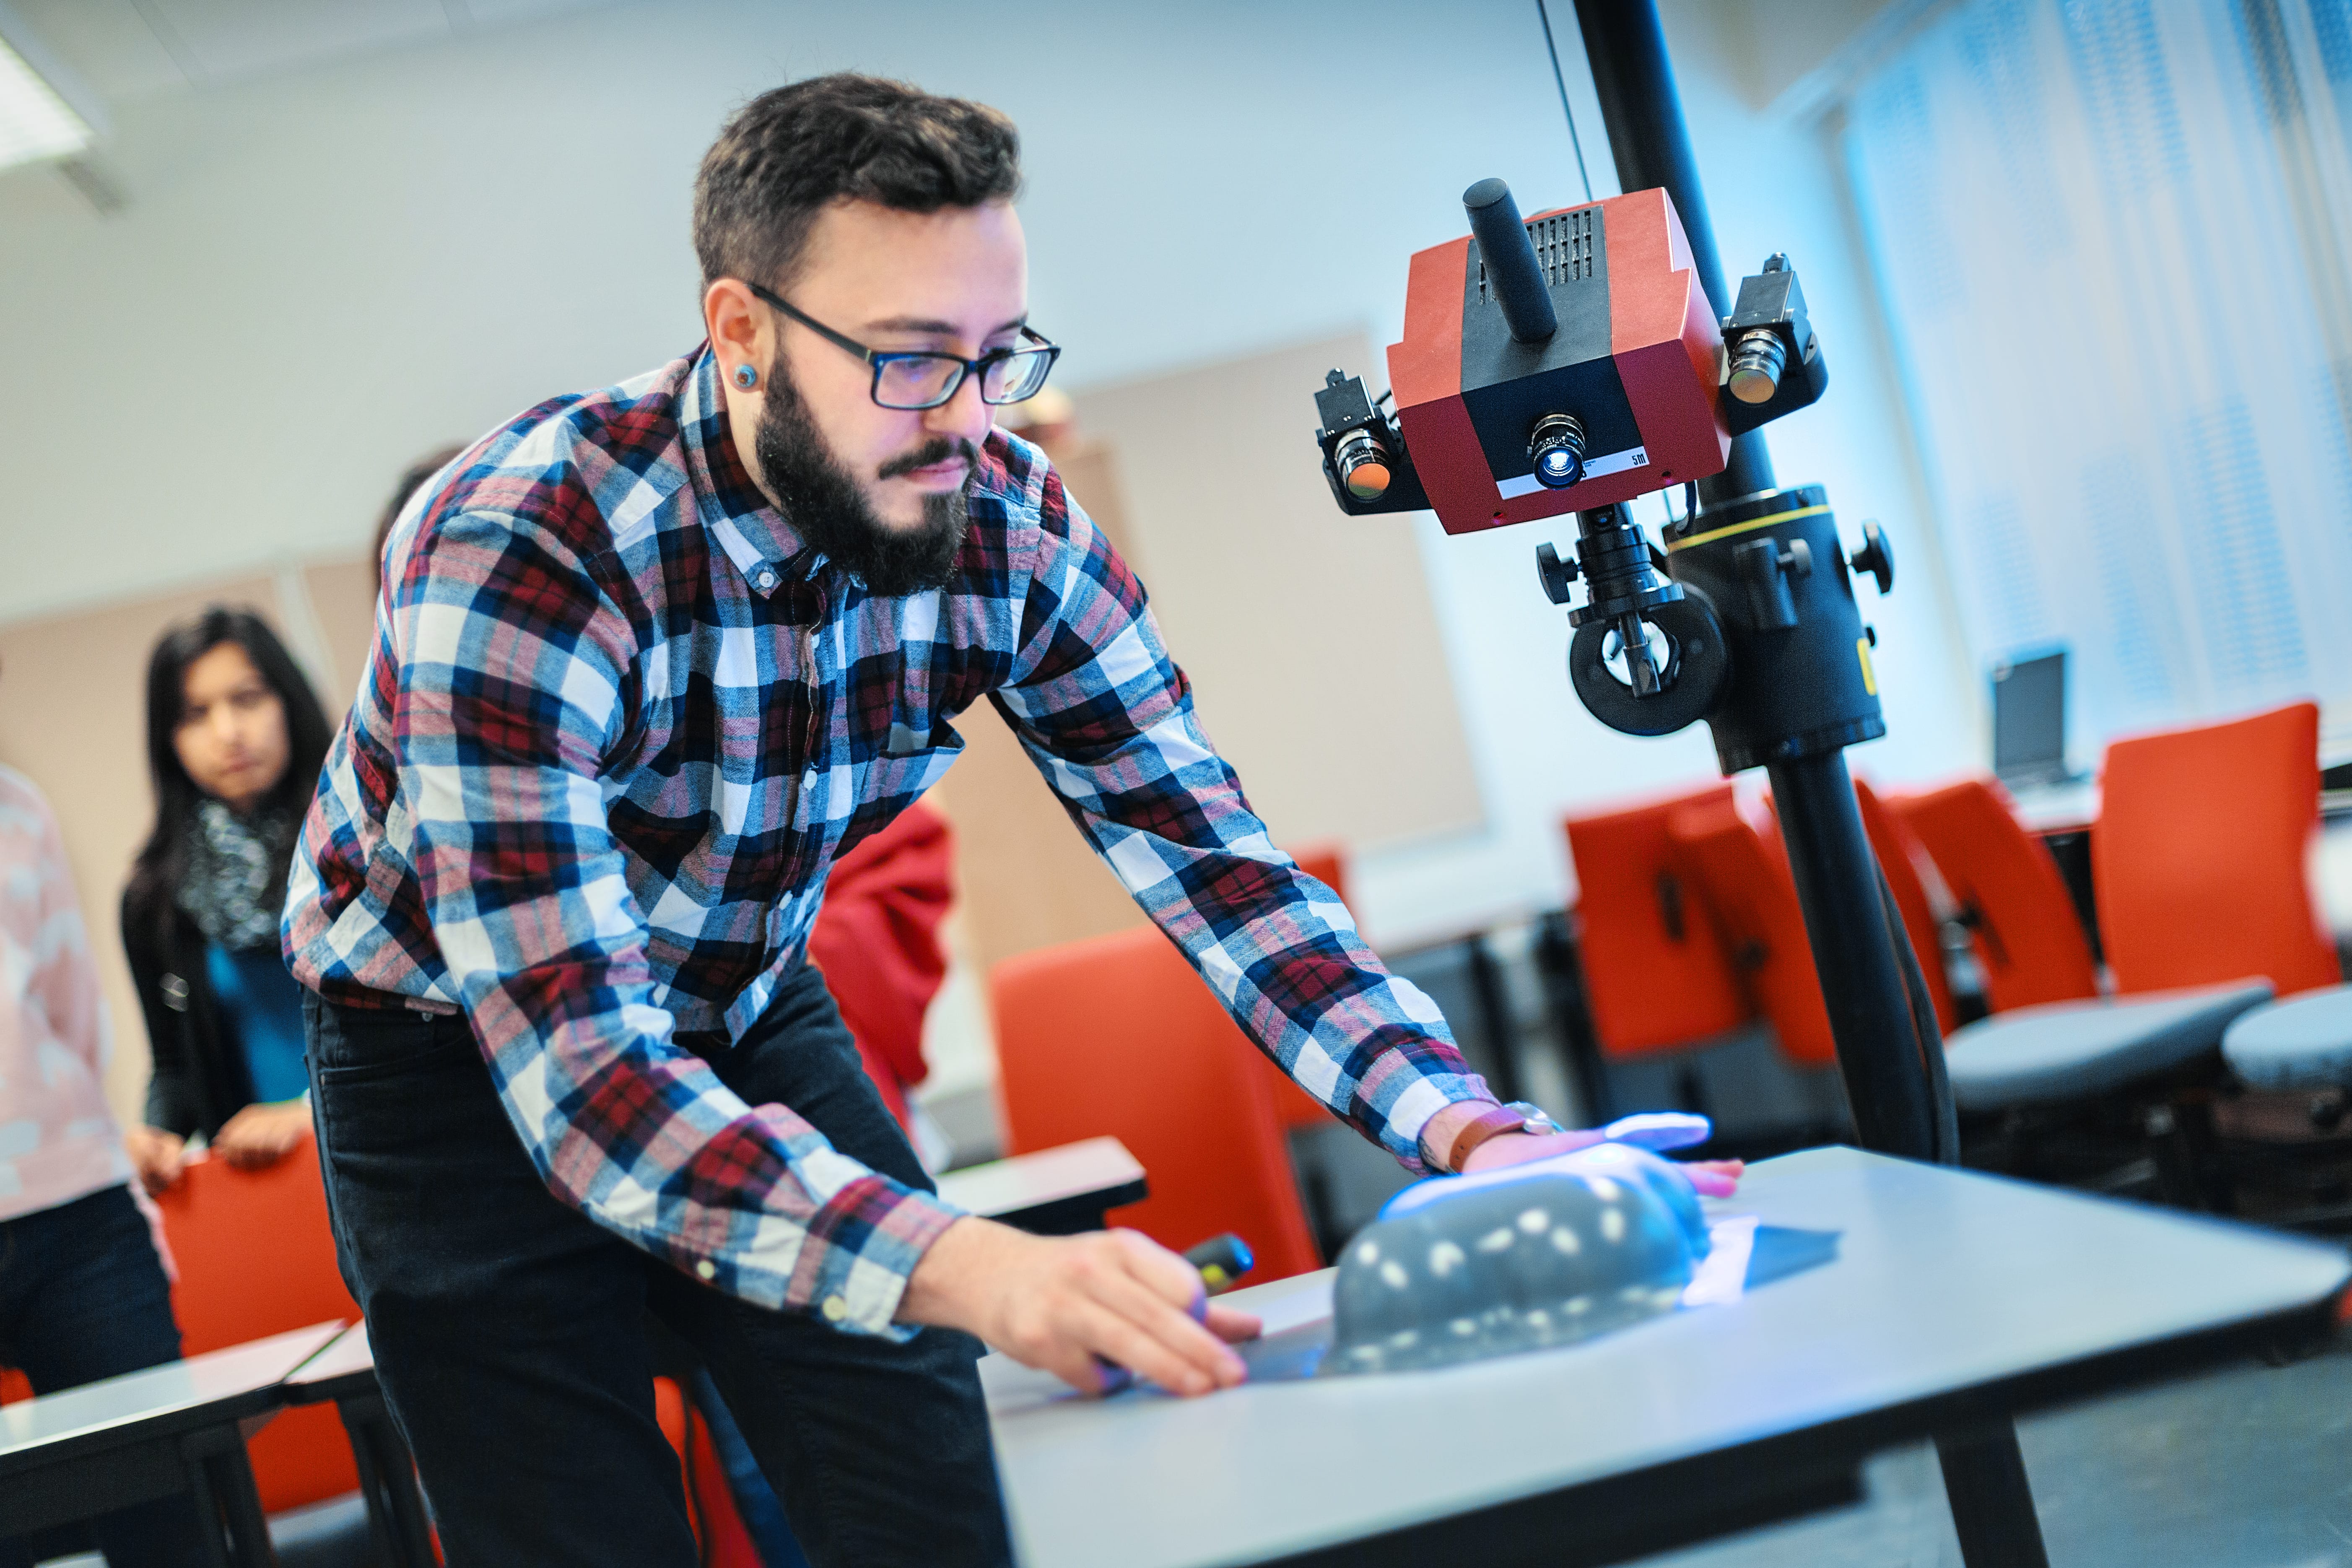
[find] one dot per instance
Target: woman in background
(82, 1291)
(235, 741)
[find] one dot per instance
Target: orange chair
(2198, 856)
(718, 1524)
(1117, 1035)
(1752, 898)
(2029, 940)
(1656, 976)
(256, 1257)
(1898, 852)
(2197, 866)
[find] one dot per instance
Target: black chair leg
(2181, 1139)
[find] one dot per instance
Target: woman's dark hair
(792, 151)
(424, 469)
(163, 859)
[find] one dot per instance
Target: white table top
(179, 1385)
(349, 1352)
(2055, 808)
(1050, 1175)
(1944, 1280)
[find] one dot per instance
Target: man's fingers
(1072, 1365)
(1117, 1339)
(1715, 1178)
(1171, 1278)
(1174, 1332)
(1232, 1326)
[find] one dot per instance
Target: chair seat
(2066, 1050)
(2304, 1042)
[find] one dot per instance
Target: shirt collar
(764, 547)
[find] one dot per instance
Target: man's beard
(822, 499)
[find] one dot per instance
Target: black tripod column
(1868, 1001)
(1770, 565)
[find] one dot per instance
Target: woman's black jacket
(200, 1078)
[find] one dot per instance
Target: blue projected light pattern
(1461, 1268)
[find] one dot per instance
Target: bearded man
(647, 659)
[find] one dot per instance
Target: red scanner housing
(1636, 360)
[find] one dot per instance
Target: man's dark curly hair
(793, 151)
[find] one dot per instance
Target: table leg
(228, 1505)
(1990, 1499)
(396, 1521)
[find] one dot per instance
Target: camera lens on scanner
(1556, 451)
(1756, 359)
(1363, 465)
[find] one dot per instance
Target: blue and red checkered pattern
(617, 723)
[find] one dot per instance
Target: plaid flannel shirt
(617, 723)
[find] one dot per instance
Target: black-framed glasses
(923, 379)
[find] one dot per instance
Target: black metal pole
(1879, 1038)
(1837, 885)
(1644, 115)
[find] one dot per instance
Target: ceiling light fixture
(43, 114)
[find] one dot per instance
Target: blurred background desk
(179, 1428)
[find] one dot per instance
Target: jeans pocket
(354, 1044)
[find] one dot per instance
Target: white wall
(320, 275)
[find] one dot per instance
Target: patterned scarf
(236, 880)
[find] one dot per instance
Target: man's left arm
(1107, 718)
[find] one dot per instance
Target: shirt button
(764, 581)
(835, 1309)
(707, 1268)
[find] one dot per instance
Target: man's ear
(741, 331)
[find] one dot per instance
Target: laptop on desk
(2029, 723)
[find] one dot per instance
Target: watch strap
(1492, 1123)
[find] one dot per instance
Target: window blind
(2113, 240)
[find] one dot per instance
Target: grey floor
(2249, 1465)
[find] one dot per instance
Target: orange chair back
(1897, 851)
(2198, 858)
(257, 1257)
(1117, 1035)
(1656, 976)
(1293, 1106)
(1752, 898)
(2029, 941)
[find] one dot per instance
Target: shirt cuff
(869, 1244)
(1414, 1109)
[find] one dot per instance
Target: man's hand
(156, 1155)
(262, 1134)
(1713, 1178)
(1068, 1303)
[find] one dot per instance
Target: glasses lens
(1018, 376)
(917, 381)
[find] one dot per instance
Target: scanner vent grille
(1563, 244)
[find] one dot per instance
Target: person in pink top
(82, 1292)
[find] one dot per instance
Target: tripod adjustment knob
(1557, 574)
(1875, 557)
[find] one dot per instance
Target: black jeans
(508, 1327)
(82, 1296)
